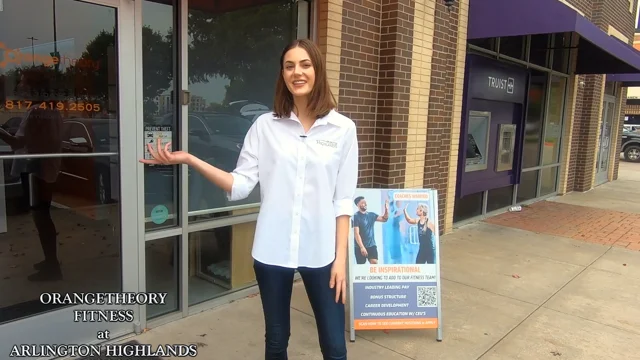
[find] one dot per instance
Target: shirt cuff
(343, 207)
(237, 188)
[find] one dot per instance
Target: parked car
(631, 146)
(214, 137)
(89, 177)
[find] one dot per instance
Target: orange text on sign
(396, 324)
(16, 57)
(52, 105)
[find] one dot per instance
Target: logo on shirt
(327, 143)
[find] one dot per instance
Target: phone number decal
(52, 105)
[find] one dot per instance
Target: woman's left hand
(339, 280)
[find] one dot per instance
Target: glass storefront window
(499, 198)
(539, 50)
(158, 44)
(549, 181)
(488, 43)
(533, 122)
(60, 227)
(229, 92)
(553, 121)
(561, 52)
(513, 46)
(219, 261)
(468, 206)
(528, 187)
(162, 264)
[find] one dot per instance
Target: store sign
(507, 85)
(394, 261)
(492, 80)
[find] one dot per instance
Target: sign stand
(399, 289)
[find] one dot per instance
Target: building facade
(569, 116)
(489, 113)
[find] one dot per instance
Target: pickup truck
(631, 145)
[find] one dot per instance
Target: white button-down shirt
(306, 181)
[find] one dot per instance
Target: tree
(242, 46)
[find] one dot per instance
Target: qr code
(427, 296)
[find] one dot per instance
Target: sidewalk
(557, 280)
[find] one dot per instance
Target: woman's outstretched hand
(162, 155)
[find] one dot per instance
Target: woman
(426, 253)
(305, 157)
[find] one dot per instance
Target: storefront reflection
(59, 196)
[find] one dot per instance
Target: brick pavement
(588, 224)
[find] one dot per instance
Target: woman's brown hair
(321, 100)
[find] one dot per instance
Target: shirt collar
(328, 119)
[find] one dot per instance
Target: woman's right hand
(162, 155)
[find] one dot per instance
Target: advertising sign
(394, 261)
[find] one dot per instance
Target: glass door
(604, 150)
(67, 209)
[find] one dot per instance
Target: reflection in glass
(553, 122)
(499, 198)
(220, 261)
(477, 140)
(533, 123)
(549, 181)
(59, 196)
(528, 187)
(160, 182)
(162, 265)
(468, 206)
(229, 92)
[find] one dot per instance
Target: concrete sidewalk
(507, 293)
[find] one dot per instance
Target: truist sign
(491, 80)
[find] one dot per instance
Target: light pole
(33, 54)
(55, 31)
(55, 40)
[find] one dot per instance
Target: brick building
(395, 64)
(399, 69)
(489, 109)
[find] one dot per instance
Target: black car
(631, 146)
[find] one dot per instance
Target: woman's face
(298, 72)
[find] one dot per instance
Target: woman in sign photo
(426, 234)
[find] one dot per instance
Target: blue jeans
(276, 284)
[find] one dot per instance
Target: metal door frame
(58, 327)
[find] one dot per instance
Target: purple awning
(627, 80)
(598, 52)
